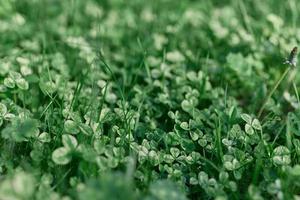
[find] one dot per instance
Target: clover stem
(273, 90)
(296, 92)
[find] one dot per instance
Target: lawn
(149, 100)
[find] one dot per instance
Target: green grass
(149, 100)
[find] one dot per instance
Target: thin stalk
(210, 163)
(257, 170)
(273, 90)
(219, 143)
(288, 133)
(296, 92)
(265, 143)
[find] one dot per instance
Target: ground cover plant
(151, 100)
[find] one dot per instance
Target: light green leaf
(61, 156)
(203, 178)
(44, 137)
(229, 166)
(232, 186)
(184, 125)
(153, 158)
(247, 118)
(3, 110)
(175, 56)
(86, 129)
(194, 135)
(71, 127)
(232, 112)
(22, 84)
(249, 130)
(168, 158)
(23, 185)
(256, 124)
(281, 156)
(193, 181)
(295, 171)
(9, 82)
(99, 146)
(9, 116)
(186, 106)
(174, 152)
(202, 142)
(69, 141)
(223, 176)
(15, 75)
(165, 189)
(47, 87)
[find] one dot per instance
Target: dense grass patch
(161, 99)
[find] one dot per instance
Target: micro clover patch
(63, 155)
(15, 78)
(281, 156)
(251, 124)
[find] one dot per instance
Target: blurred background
(251, 38)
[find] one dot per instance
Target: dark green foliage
(153, 100)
